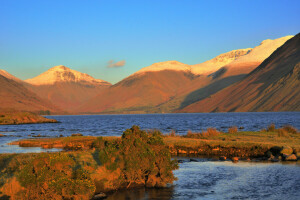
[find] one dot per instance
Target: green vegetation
(136, 159)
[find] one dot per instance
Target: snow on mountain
(63, 74)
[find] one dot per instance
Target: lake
(196, 180)
(114, 125)
(210, 180)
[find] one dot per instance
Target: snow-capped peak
(64, 74)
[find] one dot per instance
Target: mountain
(140, 92)
(273, 86)
(160, 87)
(66, 88)
(62, 74)
(13, 95)
(172, 85)
(221, 60)
(245, 64)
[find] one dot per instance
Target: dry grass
(290, 129)
(271, 128)
(283, 133)
(191, 139)
(233, 129)
(210, 132)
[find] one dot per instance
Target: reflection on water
(226, 180)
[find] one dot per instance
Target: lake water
(226, 180)
(107, 125)
(196, 180)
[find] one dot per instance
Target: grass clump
(282, 133)
(271, 128)
(233, 130)
(290, 129)
(210, 132)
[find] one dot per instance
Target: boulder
(1, 135)
(222, 158)
(268, 154)
(286, 150)
(291, 157)
(100, 196)
(275, 159)
(275, 150)
(193, 160)
(235, 159)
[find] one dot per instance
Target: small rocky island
(17, 117)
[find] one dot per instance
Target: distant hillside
(273, 86)
(13, 95)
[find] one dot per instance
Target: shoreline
(240, 145)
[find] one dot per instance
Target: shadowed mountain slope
(14, 95)
(273, 86)
(140, 93)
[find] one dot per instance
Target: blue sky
(86, 35)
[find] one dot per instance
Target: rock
(291, 157)
(286, 150)
(193, 160)
(180, 161)
(275, 150)
(76, 134)
(268, 154)
(100, 196)
(61, 135)
(275, 159)
(241, 127)
(1, 135)
(271, 158)
(235, 159)
(39, 135)
(222, 158)
(47, 146)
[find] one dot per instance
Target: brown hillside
(273, 86)
(142, 92)
(66, 95)
(14, 95)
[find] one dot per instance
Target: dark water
(196, 180)
(226, 180)
(106, 125)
